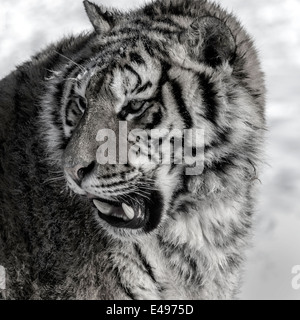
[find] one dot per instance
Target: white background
(26, 26)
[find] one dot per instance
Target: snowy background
(26, 26)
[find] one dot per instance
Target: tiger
(74, 228)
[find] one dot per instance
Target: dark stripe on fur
(156, 120)
(127, 291)
(159, 25)
(145, 262)
(223, 137)
(169, 249)
(64, 143)
(209, 98)
(137, 58)
(139, 80)
(69, 108)
(130, 69)
(165, 67)
(182, 108)
(144, 87)
(221, 165)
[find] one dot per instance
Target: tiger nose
(78, 172)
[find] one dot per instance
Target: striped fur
(172, 64)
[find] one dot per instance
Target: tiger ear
(210, 41)
(101, 19)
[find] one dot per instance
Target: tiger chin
(96, 223)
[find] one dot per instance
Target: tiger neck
(196, 254)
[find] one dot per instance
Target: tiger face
(169, 75)
(134, 89)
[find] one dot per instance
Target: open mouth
(132, 212)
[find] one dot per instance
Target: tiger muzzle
(132, 211)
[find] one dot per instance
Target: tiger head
(139, 71)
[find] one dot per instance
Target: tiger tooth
(128, 211)
(103, 207)
(122, 216)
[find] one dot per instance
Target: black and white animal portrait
(72, 227)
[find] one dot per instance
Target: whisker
(72, 79)
(60, 171)
(53, 179)
(69, 59)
